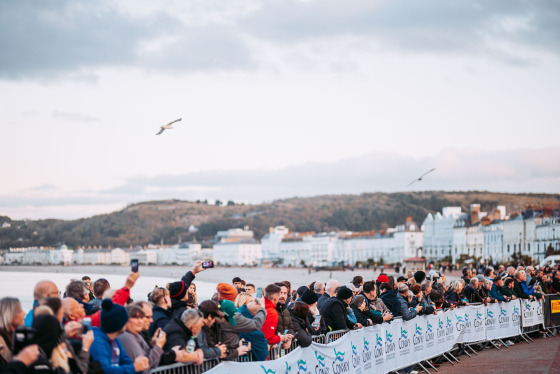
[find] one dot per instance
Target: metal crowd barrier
(335, 335)
(551, 312)
(180, 368)
(332, 336)
(318, 339)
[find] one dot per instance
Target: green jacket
(509, 292)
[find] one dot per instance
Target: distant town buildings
(450, 236)
(491, 237)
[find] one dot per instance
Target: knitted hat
(382, 278)
(177, 290)
(309, 297)
(228, 308)
(344, 293)
(419, 276)
(301, 290)
(400, 279)
(113, 316)
(226, 291)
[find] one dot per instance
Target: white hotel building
(335, 248)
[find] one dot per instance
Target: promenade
(541, 356)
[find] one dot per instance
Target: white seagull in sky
(419, 179)
(168, 126)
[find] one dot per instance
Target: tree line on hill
(171, 221)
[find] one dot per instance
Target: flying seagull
(419, 179)
(168, 126)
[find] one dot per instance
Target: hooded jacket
(270, 323)
(112, 361)
(259, 345)
(404, 310)
(389, 298)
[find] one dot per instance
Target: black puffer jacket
(301, 331)
(335, 312)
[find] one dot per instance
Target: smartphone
(134, 265)
(317, 321)
(259, 292)
(207, 264)
(285, 331)
(245, 343)
(87, 322)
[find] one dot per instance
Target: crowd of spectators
(95, 328)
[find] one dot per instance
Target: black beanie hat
(301, 290)
(344, 293)
(177, 290)
(113, 316)
(419, 276)
(309, 297)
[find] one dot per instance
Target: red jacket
(270, 323)
(120, 297)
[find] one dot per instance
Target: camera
(23, 336)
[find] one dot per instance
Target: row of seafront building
(444, 236)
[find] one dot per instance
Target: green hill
(169, 220)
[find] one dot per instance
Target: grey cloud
(50, 38)
(435, 25)
(515, 171)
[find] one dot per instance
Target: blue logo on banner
(320, 359)
(339, 356)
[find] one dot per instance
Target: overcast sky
(278, 99)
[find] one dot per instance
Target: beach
(19, 281)
(258, 276)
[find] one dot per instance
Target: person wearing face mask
(133, 342)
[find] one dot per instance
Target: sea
(21, 284)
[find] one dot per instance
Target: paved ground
(541, 356)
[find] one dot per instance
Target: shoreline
(258, 276)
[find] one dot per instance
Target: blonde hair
(42, 309)
(242, 299)
(59, 357)
(9, 308)
(157, 294)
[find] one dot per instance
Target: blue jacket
(529, 290)
(259, 345)
(404, 312)
(102, 352)
(496, 294)
(389, 298)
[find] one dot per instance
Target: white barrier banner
(395, 345)
(502, 320)
(532, 312)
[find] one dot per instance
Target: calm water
(21, 284)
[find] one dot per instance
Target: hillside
(169, 220)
